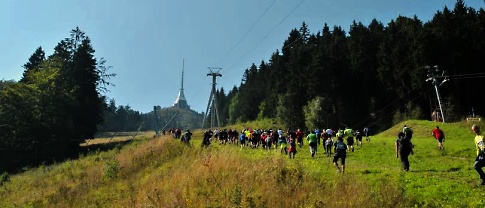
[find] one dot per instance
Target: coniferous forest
(373, 75)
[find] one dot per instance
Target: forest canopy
(55, 106)
(374, 75)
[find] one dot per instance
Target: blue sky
(145, 41)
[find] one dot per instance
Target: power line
(279, 23)
(393, 112)
(247, 32)
(468, 77)
(453, 77)
(463, 75)
(387, 106)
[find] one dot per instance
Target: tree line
(374, 75)
(122, 118)
(55, 106)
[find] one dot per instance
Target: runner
(247, 133)
(439, 135)
(404, 147)
(292, 150)
(269, 140)
(350, 138)
(242, 138)
(324, 140)
(274, 139)
(291, 134)
(340, 134)
(206, 141)
(328, 146)
(187, 136)
(263, 139)
(480, 159)
(299, 138)
(249, 137)
(223, 136)
(235, 134)
(330, 133)
(358, 137)
(280, 132)
(340, 150)
(366, 133)
(312, 141)
(319, 135)
(256, 138)
(282, 141)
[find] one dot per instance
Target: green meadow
(162, 172)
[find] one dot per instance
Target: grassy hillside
(165, 173)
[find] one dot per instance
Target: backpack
(340, 145)
(405, 144)
(242, 137)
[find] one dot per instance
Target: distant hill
(186, 118)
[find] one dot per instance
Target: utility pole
(156, 120)
(212, 104)
(434, 76)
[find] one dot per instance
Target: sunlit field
(163, 172)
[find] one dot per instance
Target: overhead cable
(247, 32)
(279, 23)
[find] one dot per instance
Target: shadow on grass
(370, 172)
(24, 162)
(423, 170)
(112, 134)
(103, 146)
(453, 169)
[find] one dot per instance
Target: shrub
(112, 168)
(4, 177)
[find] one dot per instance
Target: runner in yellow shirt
(349, 133)
(480, 159)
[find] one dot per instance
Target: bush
(4, 177)
(112, 169)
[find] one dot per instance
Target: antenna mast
(181, 101)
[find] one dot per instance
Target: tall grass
(163, 172)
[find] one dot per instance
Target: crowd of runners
(332, 141)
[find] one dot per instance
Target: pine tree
(33, 64)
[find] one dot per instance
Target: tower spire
(183, 68)
(181, 102)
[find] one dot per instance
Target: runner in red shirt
(440, 136)
(299, 137)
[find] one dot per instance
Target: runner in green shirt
(312, 140)
(349, 133)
